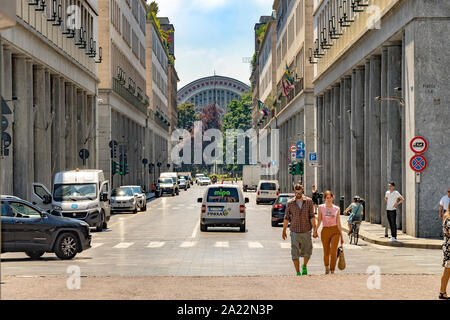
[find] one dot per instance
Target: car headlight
(57, 208)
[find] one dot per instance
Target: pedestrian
(393, 199)
(446, 247)
(329, 215)
(315, 197)
(356, 211)
(300, 213)
(444, 203)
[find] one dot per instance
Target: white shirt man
(393, 200)
(443, 204)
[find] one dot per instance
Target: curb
(418, 245)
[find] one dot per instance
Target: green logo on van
(222, 193)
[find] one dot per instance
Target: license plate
(215, 209)
(264, 192)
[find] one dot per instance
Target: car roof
(224, 186)
(6, 197)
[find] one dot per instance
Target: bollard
(342, 205)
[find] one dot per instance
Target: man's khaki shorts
(301, 245)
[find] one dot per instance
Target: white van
(79, 194)
(223, 205)
(174, 177)
(267, 191)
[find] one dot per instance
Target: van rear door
(223, 202)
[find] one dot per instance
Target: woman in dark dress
(446, 248)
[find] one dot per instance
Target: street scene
(294, 150)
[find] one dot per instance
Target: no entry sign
(418, 163)
(419, 145)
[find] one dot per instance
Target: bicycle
(354, 234)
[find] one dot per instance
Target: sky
(213, 35)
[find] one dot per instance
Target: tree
(187, 116)
(211, 118)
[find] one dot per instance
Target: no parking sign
(418, 163)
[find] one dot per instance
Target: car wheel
(66, 247)
(144, 208)
(99, 228)
(257, 202)
(203, 228)
(34, 255)
(242, 228)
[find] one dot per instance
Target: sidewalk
(374, 233)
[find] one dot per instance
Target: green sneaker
(299, 273)
(305, 271)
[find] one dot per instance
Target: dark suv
(26, 228)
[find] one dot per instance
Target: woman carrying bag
(329, 214)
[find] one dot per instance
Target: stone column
(394, 154)
(6, 164)
(68, 130)
(327, 145)
(384, 136)
(42, 130)
(23, 113)
(375, 140)
(367, 195)
(358, 133)
(319, 103)
(61, 116)
(336, 132)
(346, 147)
(79, 126)
(56, 124)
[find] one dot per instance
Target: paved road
(166, 241)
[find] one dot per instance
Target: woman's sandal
(443, 296)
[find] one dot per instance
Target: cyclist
(356, 212)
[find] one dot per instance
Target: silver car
(141, 197)
(124, 199)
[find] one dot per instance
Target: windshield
(125, 192)
(165, 180)
(137, 190)
(268, 186)
(284, 199)
(221, 195)
(74, 192)
(182, 181)
(199, 175)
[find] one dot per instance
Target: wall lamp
(43, 5)
(311, 57)
(54, 11)
(100, 55)
(400, 101)
(355, 7)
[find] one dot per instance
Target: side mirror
(104, 197)
(247, 200)
(47, 199)
(200, 200)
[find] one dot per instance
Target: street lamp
(400, 101)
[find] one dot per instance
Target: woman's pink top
(329, 215)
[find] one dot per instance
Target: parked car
(30, 229)
(267, 191)
(183, 184)
(141, 197)
(223, 206)
(279, 208)
(78, 194)
(165, 186)
(186, 179)
(124, 199)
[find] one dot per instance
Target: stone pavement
(374, 233)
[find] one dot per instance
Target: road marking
(188, 244)
(223, 244)
(285, 245)
(123, 245)
(195, 231)
(96, 245)
(429, 264)
(255, 245)
(156, 244)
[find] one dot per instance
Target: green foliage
(187, 116)
(152, 7)
(261, 32)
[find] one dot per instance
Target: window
(223, 195)
(6, 212)
(75, 192)
(284, 199)
(268, 186)
(20, 210)
(40, 191)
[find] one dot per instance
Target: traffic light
(122, 169)
(126, 169)
(291, 168)
(301, 168)
(115, 167)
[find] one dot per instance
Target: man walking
(300, 213)
(393, 199)
(443, 204)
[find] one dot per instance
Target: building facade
(284, 49)
(377, 65)
(49, 91)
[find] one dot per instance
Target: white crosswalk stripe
(96, 245)
(123, 245)
(255, 245)
(222, 244)
(156, 244)
(188, 244)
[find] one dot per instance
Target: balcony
(140, 104)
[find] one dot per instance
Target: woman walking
(329, 214)
(446, 247)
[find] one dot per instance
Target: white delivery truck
(250, 177)
(78, 194)
(174, 177)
